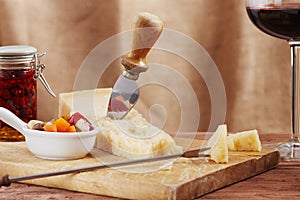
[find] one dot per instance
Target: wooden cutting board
(184, 179)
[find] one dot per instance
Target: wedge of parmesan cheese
(92, 104)
(218, 144)
(141, 140)
(134, 143)
(244, 141)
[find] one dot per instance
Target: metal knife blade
(125, 94)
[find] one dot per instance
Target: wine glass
(281, 19)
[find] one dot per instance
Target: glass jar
(19, 70)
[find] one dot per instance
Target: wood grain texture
(186, 179)
(279, 183)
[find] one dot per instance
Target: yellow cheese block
(130, 140)
(244, 141)
(218, 144)
(93, 104)
(140, 141)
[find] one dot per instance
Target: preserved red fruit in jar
(19, 69)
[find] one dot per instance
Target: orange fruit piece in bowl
(61, 124)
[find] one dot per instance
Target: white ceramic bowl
(52, 145)
(59, 145)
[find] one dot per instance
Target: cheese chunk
(230, 141)
(244, 141)
(92, 104)
(218, 144)
(141, 140)
(134, 143)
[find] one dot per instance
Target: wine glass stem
(295, 50)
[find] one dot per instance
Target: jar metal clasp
(38, 67)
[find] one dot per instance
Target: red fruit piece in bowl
(80, 122)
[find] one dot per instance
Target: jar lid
(17, 50)
(17, 54)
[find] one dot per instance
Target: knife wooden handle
(147, 29)
(5, 181)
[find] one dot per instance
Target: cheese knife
(147, 29)
(195, 153)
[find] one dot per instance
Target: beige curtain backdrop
(254, 67)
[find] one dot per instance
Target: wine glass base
(289, 151)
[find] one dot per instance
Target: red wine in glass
(282, 20)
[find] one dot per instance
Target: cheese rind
(92, 104)
(244, 141)
(218, 144)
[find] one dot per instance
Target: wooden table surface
(283, 182)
